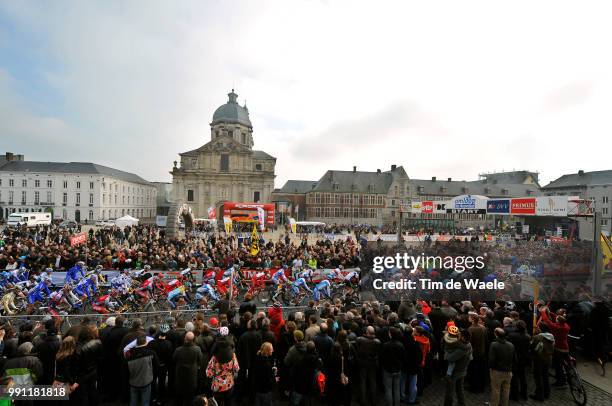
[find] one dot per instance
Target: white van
(28, 219)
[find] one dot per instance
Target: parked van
(28, 219)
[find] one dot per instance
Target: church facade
(227, 168)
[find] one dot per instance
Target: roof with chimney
(445, 187)
(581, 179)
(355, 181)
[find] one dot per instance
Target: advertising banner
(468, 204)
(427, 207)
(439, 206)
(212, 213)
(416, 207)
(499, 206)
(551, 206)
(525, 206)
(77, 239)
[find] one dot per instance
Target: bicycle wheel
(576, 387)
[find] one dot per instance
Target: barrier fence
(147, 318)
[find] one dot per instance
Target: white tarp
(125, 221)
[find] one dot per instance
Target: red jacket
(276, 321)
(558, 330)
(425, 347)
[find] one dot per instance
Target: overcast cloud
(446, 89)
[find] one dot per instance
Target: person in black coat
(392, 360)
(248, 305)
(164, 351)
(410, 369)
(263, 375)
(304, 379)
(248, 345)
(338, 393)
(521, 341)
(324, 344)
(46, 350)
(89, 354)
(113, 357)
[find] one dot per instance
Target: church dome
(232, 112)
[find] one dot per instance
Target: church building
(227, 168)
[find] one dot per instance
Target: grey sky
(446, 89)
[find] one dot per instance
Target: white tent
(126, 221)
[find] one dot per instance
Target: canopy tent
(126, 220)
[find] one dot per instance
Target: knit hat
(453, 330)
(224, 331)
(214, 322)
(164, 328)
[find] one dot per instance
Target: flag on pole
(293, 225)
(261, 217)
(228, 224)
(254, 241)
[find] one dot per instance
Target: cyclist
(206, 290)
(72, 275)
(279, 276)
(85, 286)
(122, 282)
(36, 293)
(322, 287)
(307, 274)
(300, 283)
(175, 294)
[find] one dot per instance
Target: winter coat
(187, 361)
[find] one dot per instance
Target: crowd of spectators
(336, 354)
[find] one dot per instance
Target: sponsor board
(551, 206)
(525, 206)
(428, 207)
(498, 206)
(77, 239)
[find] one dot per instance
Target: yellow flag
(254, 241)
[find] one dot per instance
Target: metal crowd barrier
(147, 318)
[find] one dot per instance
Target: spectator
(88, 356)
(313, 329)
(47, 349)
(263, 372)
(188, 361)
(560, 330)
(113, 355)
(501, 359)
(477, 378)
(392, 359)
(460, 357)
(542, 348)
(163, 351)
(304, 375)
(323, 343)
(65, 365)
(248, 346)
(142, 365)
(521, 340)
(25, 368)
(222, 373)
(367, 349)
